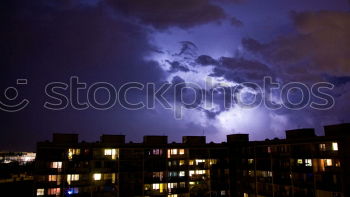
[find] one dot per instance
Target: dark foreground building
(16, 173)
(303, 164)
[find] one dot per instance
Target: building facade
(303, 164)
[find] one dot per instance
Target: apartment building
(303, 164)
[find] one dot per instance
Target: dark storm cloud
(236, 22)
(188, 49)
(243, 64)
(236, 69)
(79, 40)
(109, 40)
(163, 14)
(233, 1)
(338, 81)
(252, 44)
(318, 50)
(322, 43)
(242, 70)
(47, 42)
(210, 114)
(176, 66)
(206, 60)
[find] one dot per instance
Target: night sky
(159, 41)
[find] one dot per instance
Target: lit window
(336, 163)
(173, 151)
(172, 195)
(269, 173)
(72, 177)
(182, 162)
(182, 173)
(108, 151)
(147, 187)
(40, 192)
(113, 177)
(155, 186)
(54, 191)
(182, 151)
(200, 171)
(308, 162)
(158, 175)
(73, 190)
(335, 146)
(199, 161)
(322, 147)
(250, 161)
(52, 177)
(191, 172)
(56, 164)
(111, 152)
(328, 162)
(251, 173)
(172, 185)
(157, 151)
(72, 152)
(213, 161)
(223, 192)
(172, 174)
(162, 187)
(300, 161)
(191, 162)
(97, 176)
(245, 195)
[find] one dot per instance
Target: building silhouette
(303, 164)
(16, 171)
